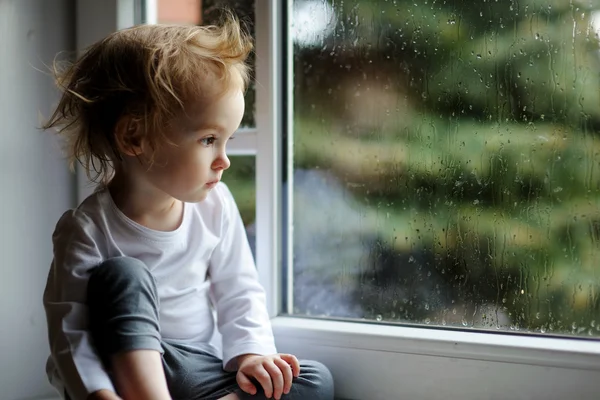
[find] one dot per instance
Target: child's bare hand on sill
(274, 373)
(104, 395)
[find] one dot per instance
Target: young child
(150, 266)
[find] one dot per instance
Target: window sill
(376, 361)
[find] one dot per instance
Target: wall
(35, 185)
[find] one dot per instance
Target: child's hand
(103, 395)
(274, 373)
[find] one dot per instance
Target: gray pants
(123, 307)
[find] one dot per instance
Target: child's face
(191, 168)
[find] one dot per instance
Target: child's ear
(128, 136)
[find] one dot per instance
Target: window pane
(208, 12)
(446, 163)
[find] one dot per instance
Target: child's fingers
(276, 379)
(293, 361)
(245, 384)
(263, 377)
(286, 371)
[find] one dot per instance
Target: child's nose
(222, 162)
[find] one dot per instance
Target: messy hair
(147, 72)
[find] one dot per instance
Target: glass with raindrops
(447, 163)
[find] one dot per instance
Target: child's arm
(75, 253)
(239, 298)
(243, 321)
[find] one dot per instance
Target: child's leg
(123, 308)
(139, 375)
(231, 396)
(315, 382)
(123, 305)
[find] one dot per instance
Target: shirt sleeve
(240, 300)
(76, 252)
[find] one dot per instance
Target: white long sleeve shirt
(203, 266)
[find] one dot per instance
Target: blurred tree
(469, 130)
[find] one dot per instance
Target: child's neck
(144, 204)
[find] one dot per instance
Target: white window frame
(369, 360)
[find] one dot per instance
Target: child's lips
(213, 183)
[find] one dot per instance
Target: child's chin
(200, 196)
(194, 197)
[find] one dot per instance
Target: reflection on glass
(208, 12)
(447, 163)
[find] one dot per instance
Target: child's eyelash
(208, 141)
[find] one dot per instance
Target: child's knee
(119, 272)
(315, 381)
(123, 306)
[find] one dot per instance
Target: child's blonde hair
(147, 72)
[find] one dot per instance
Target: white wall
(35, 185)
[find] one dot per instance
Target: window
(389, 133)
(444, 177)
(446, 163)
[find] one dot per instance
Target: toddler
(153, 293)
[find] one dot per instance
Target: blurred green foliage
(241, 180)
(469, 129)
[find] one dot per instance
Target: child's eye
(208, 141)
